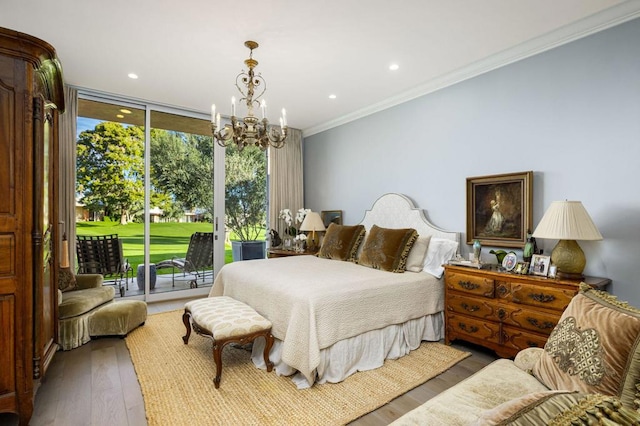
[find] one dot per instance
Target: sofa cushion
(594, 348)
(463, 403)
(78, 302)
(558, 408)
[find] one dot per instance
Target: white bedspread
(314, 303)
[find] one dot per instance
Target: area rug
(177, 382)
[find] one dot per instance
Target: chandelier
(250, 130)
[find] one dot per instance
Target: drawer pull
(468, 285)
(502, 290)
(532, 344)
(502, 313)
(471, 308)
(542, 298)
(468, 329)
(544, 326)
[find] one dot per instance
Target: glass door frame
(218, 191)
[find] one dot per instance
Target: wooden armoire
(31, 97)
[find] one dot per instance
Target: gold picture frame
(499, 209)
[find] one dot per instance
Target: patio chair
(102, 254)
(198, 259)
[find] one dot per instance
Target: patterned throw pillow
(341, 242)
(66, 280)
(387, 249)
(594, 348)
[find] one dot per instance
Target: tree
(110, 166)
(246, 191)
(181, 167)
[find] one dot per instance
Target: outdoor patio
(164, 283)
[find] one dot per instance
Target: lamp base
(569, 276)
(569, 259)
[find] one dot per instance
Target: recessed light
(125, 111)
(120, 116)
(133, 75)
(394, 67)
(332, 96)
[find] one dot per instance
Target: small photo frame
(540, 265)
(522, 268)
(331, 216)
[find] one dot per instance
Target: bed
(332, 318)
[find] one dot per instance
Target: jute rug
(177, 382)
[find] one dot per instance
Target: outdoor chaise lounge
(199, 258)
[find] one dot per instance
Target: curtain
(286, 189)
(67, 169)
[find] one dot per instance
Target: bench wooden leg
(217, 358)
(267, 348)
(187, 324)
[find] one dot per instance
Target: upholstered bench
(226, 320)
(117, 318)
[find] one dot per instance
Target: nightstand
(273, 253)
(503, 311)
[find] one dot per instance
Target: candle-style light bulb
(233, 105)
(218, 121)
(213, 113)
(263, 105)
(284, 117)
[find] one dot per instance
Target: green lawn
(167, 239)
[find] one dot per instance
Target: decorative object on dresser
(567, 221)
(250, 130)
(312, 223)
(505, 312)
(499, 209)
(31, 99)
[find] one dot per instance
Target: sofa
(79, 296)
(587, 373)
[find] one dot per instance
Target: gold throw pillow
(387, 249)
(341, 242)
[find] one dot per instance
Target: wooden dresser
(31, 97)
(503, 311)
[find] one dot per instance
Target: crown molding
(595, 23)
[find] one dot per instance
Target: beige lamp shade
(567, 221)
(312, 222)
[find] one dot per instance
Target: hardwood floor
(97, 385)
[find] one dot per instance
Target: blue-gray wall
(571, 114)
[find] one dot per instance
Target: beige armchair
(76, 303)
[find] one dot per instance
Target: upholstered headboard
(397, 211)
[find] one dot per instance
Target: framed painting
(499, 209)
(331, 216)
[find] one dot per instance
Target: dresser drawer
(461, 326)
(517, 339)
(474, 306)
(535, 295)
(529, 319)
(471, 284)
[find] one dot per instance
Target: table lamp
(567, 221)
(312, 222)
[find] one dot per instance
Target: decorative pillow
(66, 280)
(439, 252)
(341, 242)
(594, 348)
(387, 249)
(559, 408)
(415, 261)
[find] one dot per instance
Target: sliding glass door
(148, 175)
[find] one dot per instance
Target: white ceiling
(187, 53)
